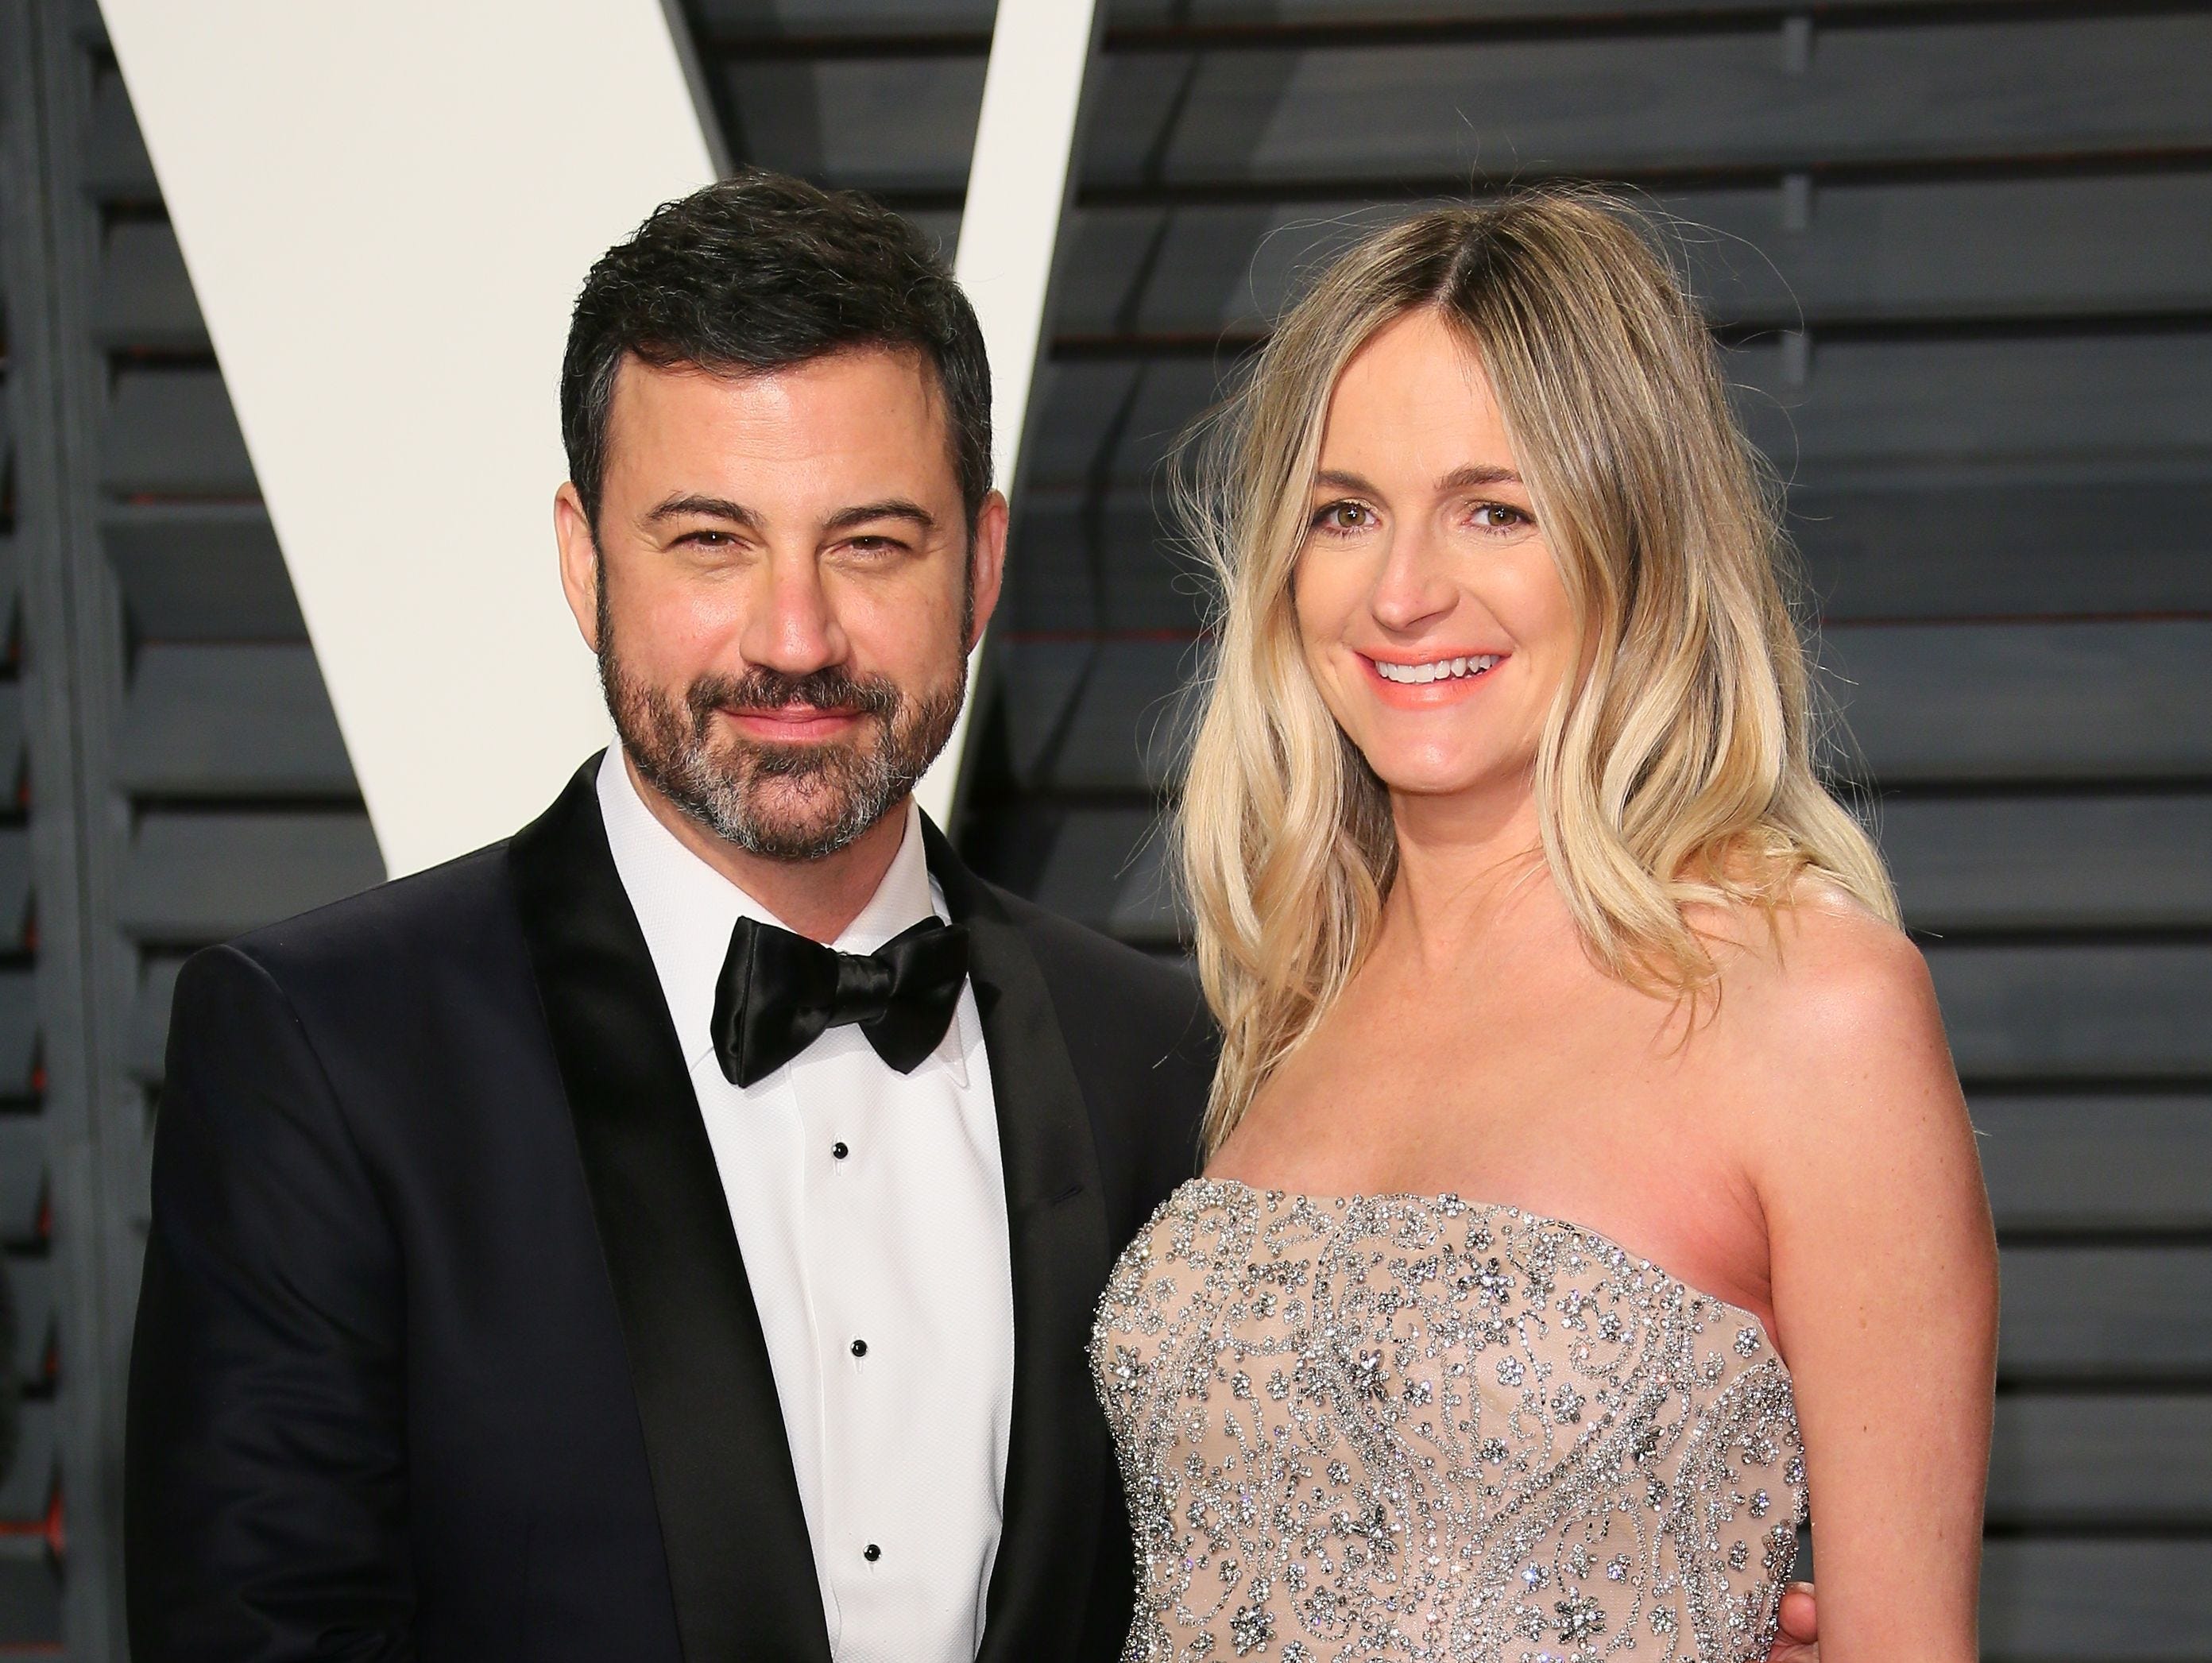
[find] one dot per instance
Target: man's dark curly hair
(757, 273)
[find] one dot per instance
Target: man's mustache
(833, 689)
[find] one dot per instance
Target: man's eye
(708, 539)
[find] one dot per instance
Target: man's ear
(987, 564)
(580, 560)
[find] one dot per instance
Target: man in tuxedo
(674, 1233)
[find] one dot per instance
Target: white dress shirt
(870, 1209)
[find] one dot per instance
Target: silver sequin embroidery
(1416, 1429)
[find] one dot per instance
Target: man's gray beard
(847, 787)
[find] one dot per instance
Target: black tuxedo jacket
(446, 1348)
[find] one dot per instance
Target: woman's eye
(1345, 517)
(1500, 517)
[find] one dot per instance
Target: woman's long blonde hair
(1678, 771)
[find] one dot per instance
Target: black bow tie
(779, 990)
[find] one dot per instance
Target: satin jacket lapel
(1059, 1454)
(740, 1560)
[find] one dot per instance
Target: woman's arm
(1884, 1290)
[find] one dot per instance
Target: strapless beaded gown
(1415, 1428)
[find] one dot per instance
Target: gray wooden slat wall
(173, 773)
(1958, 256)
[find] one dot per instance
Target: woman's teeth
(1441, 669)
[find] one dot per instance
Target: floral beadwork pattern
(1413, 1428)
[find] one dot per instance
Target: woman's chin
(1440, 783)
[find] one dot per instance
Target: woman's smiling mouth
(1461, 667)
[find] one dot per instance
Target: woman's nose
(1412, 586)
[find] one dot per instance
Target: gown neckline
(1448, 1198)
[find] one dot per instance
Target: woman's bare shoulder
(1822, 964)
(1827, 1012)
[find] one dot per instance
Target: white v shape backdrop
(386, 209)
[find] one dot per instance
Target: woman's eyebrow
(1473, 477)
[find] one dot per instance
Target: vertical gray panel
(70, 627)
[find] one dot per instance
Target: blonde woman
(1588, 1183)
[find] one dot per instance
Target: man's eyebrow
(896, 507)
(704, 507)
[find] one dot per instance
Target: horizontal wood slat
(206, 877)
(1106, 867)
(1589, 102)
(2072, 1600)
(115, 165)
(1108, 712)
(1217, 14)
(30, 1596)
(2101, 1163)
(2056, 408)
(19, 1033)
(22, 1177)
(2103, 246)
(760, 21)
(11, 578)
(2081, 1312)
(201, 572)
(2029, 863)
(1113, 422)
(2076, 1011)
(1914, 543)
(1079, 562)
(2132, 410)
(32, 1281)
(144, 298)
(201, 721)
(2024, 701)
(12, 741)
(889, 124)
(15, 888)
(27, 1485)
(170, 432)
(2094, 1459)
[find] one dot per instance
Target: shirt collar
(687, 909)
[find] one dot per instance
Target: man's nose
(791, 623)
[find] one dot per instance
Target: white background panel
(387, 211)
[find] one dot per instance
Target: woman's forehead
(1415, 402)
